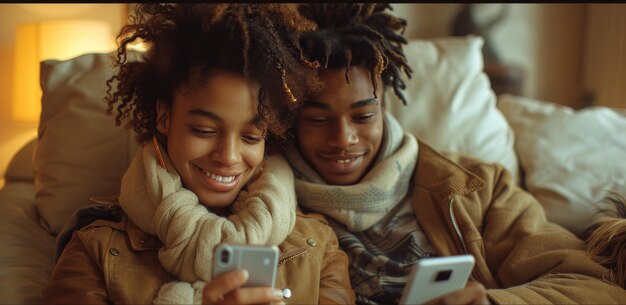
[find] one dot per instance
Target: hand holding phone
(473, 293)
(261, 262)
(431, 278)
(226, 288)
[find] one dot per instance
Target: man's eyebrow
(316, 104)
(369, 101)
(325, 106)
(212, 116)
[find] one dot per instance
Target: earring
(157, 151)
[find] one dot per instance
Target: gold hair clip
(286, 87)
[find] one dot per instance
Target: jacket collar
(140, 240)
(440, 175)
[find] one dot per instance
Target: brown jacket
(468, 206)
(110, 262)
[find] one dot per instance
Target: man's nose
(344, 135)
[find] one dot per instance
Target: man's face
(340, 130)
(212, 139)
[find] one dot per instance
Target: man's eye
(363, 117)
(252, 139)
(317, 119)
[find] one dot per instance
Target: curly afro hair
(259, 41)
(357, 34)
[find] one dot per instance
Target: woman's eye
(203, 132)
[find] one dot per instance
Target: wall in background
(13, 135)
(12, 15)
(572, 53)
(604, 69)
(544, 39)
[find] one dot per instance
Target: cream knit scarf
(156, 201)
(362, 205)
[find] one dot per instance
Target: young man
(393, 200)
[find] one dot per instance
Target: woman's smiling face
(213, 138)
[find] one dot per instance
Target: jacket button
(114, 251)
(286, 293)
(311, 242)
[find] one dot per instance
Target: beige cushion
(569, 158)
(80, 152)
(20, 169)
(450, 102)
(26, 248)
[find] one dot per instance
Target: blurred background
(570, 54)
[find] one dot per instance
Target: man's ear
(164, 118)
(381, 89)
(382, 94)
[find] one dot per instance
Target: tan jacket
(468, 206)
(110, 262)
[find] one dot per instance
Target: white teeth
(218, 177)
(345, 161)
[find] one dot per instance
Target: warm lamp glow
(56, 39)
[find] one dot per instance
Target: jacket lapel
(436, 180)
(440, 175)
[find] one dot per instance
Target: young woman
(217, 82)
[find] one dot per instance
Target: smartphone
(260, 261)
(431, 278)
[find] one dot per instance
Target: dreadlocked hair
(258, 41)
(606, 239)
(357, 34)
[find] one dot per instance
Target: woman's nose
(227, 152)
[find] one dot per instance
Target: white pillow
(570, 159)
(451, 105)
(80, 152)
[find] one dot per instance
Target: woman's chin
(217, 200)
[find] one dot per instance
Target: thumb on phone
(216, 288)
(473, 293)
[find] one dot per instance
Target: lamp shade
(55, 39)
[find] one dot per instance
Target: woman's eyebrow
(213, 116)
(207, 114)
(255, 120)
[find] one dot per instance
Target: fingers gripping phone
(261, 262)
(431, 278)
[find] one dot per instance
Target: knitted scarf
(361, 205)
(157, 202)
